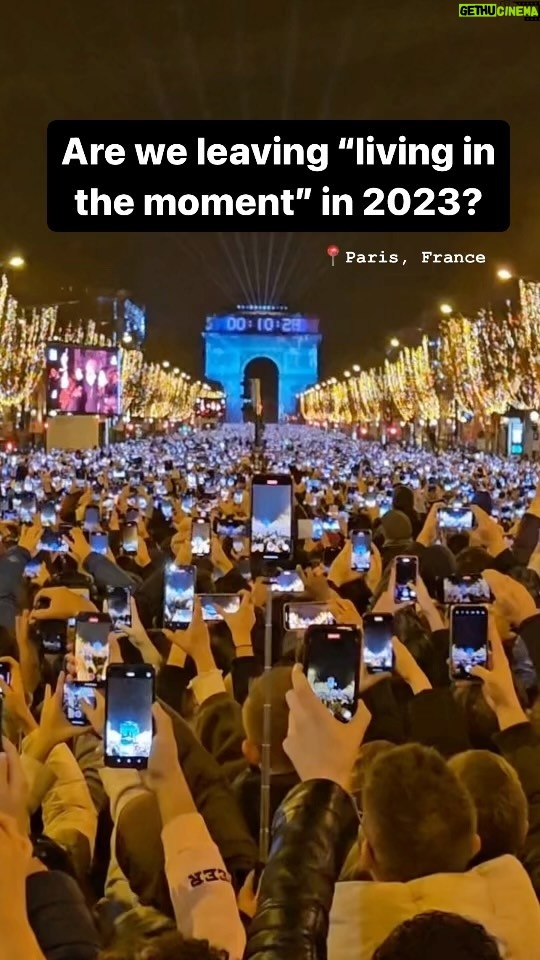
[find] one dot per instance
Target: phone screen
(271, 524)
(455, 518)
(27, 508)
(378, 652)
(300, 616)
(48, 514)
(178, 596)
(332, 666)
(52, 636)
(468, 640)
(31, 569)
(92, 647)
(52, 541)
(130, 538)
(361, 550)
(229, 602)
(91, 518)
(200, 538)
(317, 530)
(330, 524)
(406, 576)
(5, 673)
(99, 543)
(288, 581)
(128, 725)
(118, 606)
(471, 589)
(73, 693)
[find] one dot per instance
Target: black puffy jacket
(312, 835)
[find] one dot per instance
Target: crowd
(409, 832)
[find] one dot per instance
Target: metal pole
(264, 833)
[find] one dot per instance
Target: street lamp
(394, 343)
(14, 262)
(446, 309)
(165, 364)
(347, 374)
(504, 274)
(356, 367)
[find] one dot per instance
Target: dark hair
(501, 804)
(472, 560)
(457, 542)
(446, 936)
(418, 818)
(166, 946)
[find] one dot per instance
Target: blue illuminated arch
(296, 355)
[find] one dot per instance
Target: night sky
(152, 59)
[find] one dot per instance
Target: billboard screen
(83, 380)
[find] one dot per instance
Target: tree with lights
(22, 349)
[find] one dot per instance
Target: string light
(476, 367)
(148, 391)
(22, 349)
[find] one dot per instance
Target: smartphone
(130, 537)
(129, 694)
(317, 529)
(117, 604)
(468, 639)
(28, 508)
(200, 538)
(271, 516)
(48, 513)
(455, 518)
(73, 694)
(361, 550)
(287, 581)
(52, 541)
(230, 602)
(469, 589)
(32, 568)
(300, 616)
(305, 528)
(238, 497)
(99, 542)
(5, 673)
(330, 523)
(178, 594)
(92, 646)
(377, 650)
(51, 636)
(332, 668)
(406, 577)
(91, 518)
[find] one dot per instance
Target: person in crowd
(440, 839)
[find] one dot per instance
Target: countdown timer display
(262, 323)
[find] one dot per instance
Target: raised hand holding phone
(341, 571)
(498, 683)
(54, 728)
(195, 641)
(319, 746)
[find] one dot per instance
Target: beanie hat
(396, 526)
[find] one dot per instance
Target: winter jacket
(521, 747)
(12, 566)
(311, 839)
(59, 917)
(203, 898)
(497, 894)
